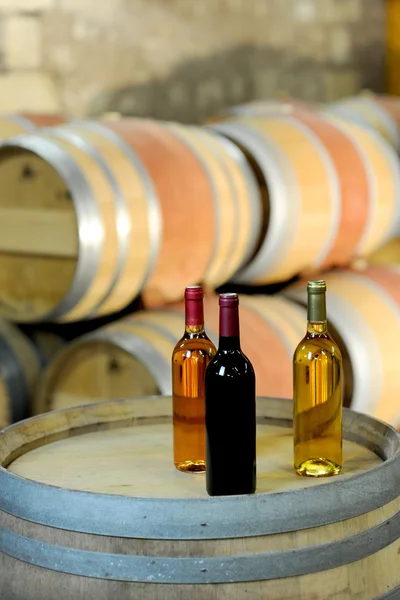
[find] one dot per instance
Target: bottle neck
(194, 315)
(316, 312)
(229, 332)
(194, 329)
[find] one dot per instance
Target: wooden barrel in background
(304, 203)
(370, 113)
(389, 253)
(353, 184)
(136, 527)
(132, 357)
(11, 125)
(364, 308)
(19, 370)
(390, 103)
(186, 199)
(237, 201)
(317, 221)
(383, 172)
(77, 213)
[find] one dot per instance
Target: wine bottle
(230, 410)
(190, 358)
(317, 393)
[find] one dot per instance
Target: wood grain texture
(124, 449)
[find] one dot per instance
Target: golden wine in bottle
(190, 359)
(317, 393)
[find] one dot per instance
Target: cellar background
(185, 60)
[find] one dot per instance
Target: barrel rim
(123, 516)
(130, 343)
(123, 225)
(86, 211)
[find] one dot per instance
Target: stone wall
(184, 59)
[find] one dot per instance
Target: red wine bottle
(230, 399)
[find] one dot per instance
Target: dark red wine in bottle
(230, 400)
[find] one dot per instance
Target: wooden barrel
(390, 103)
(364, 308)
(137, 528)
(189, 228)
(366, 111)
(383, 172)
(19, 369)
(236, 198)
(349, 208)
(389, 253)
(352, 177)
(304, 203)
(79, 225)
(11, 125)
(132, 357)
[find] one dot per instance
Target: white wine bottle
(317, 393)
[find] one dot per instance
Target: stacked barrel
(119, 208)
(94, 214)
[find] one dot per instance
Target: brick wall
(184, 59)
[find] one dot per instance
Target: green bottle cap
(316, 306)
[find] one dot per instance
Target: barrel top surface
(103, 448)
(137, 461)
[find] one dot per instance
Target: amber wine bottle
(317, 393)
(190, 358)
(230, 410)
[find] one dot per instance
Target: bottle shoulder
(314, 345)
(230, 362)
(195, 345)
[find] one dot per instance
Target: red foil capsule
(194, 311)
(229, 315)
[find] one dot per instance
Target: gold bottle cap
(317, 286)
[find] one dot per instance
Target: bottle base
(189, 466)
(317, 467)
